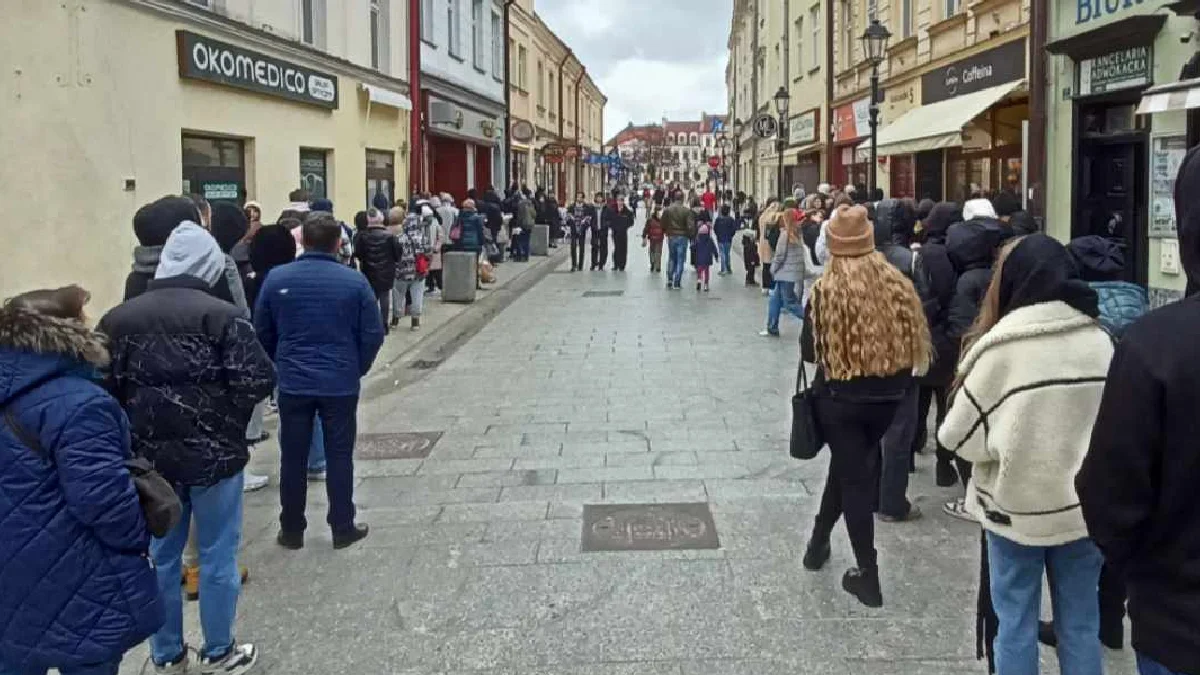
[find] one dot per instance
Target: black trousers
(384, 298)
(853, 432)
(750, 274)
(339, 423)
(620, 250)
(767, 278)
(927, 396)
(599, 250)
(433, 280)
(578, 246)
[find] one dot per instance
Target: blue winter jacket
(725, 228)
(1121, 303)
(76, 586)
(705, 252)
(319, 321)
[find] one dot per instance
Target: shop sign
(1091, 10)
(202, 58)
(522, 131)
(802, 129)
(553, 153)
(998, 65)
(1166, 156)
(1121, 69)
(852, 120)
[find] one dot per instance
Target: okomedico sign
(997, 65)
(202, 58)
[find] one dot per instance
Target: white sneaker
(316, 475)
(239, 660)
(254, 481)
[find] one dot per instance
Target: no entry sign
(714, 162)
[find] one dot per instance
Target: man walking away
(1138, 482)
(679, 225)
(525, 218)
(378, 251)
(188, 370)
(579, 221)
(622, 221)
(725, 228)
(319, 321)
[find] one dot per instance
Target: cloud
(642, 90)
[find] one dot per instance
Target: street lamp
(723, 144)
(737, 151)
(875, 40)
(782, 100)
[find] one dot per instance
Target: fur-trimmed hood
(35, 347)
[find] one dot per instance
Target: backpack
(456, 230)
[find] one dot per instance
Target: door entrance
(215, 168)
(1111, 198)
(928, 175)
(381, 175)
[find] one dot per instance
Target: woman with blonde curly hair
(866, 331)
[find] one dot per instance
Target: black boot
(1112, 633)
(864, 585)
(293, 541)
(947, 476)
(351, 536)
(816, 554)
(1046, 634)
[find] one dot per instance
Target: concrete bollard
(540, 242)
(459, 275)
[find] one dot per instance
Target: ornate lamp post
(723, 145)
(875, 39)
(782, 100)
(737, 151)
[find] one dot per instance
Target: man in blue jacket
(320, 323)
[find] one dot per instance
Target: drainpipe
(509, 170)
(828, 107)
(562, 121)
(754, 100)
(416, 151)
(787, 86)
(1037, 109)
(578, 149)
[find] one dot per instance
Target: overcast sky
(651, 58)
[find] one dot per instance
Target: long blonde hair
(791, 225)
(989, 308)
(868, 320)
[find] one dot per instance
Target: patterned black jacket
(188, 370)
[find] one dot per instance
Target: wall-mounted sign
(1166, 156)
(802, 129)
(1091, 10)
(202, 58)
(220, 191)
(1121, 69)
(852, 120)
(765, 126)
(522, 131)
(998, 65)
(553, 153)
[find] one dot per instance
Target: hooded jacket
(943, 279)
(972, 247)
(378, 253)
(187, 367)
(152, 225)
(1138, 483)
(894, 222)
(270, 248)
(76, 587)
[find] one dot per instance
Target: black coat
(378, 252)
(893, 227)
(972, 248)
(188, 370)
(620, 220)
(493, 216)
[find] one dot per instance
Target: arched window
(695, 138)
(671, 139)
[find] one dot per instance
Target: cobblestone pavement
(474, 563)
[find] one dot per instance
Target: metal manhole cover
(412, 445)
(603, 294)
(423, 364)
(648, 527)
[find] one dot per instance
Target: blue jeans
(1148, 666)
(726, 262)
(298, 419)
(97, 669)
(217, 511)
(1016, 584)
(783, 296)
(316, 449)
(678, 258)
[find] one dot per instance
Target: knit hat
(850, 235)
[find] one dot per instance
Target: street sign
(765, 126)
(714, 162)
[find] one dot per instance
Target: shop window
(454, 28)
(497, 47)
(214, 168)
(381, 175)
(380, 49)
(314, 173)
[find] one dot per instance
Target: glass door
(215, 169)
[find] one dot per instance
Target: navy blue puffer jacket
(76, 586)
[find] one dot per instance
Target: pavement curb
(441, 343)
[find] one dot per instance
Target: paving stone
(652, 459)
(605, 474)
(553, 493)
(469, 513)
(572, 462)
(508, 478)
(457, 466)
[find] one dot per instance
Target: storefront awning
(387, 97)
(937, 125)
(1183, 95)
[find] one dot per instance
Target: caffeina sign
(202, 58)
(995, 66)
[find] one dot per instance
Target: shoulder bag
(806, 440)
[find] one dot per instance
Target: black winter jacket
(188, 370)
(378, 252)
(893, 228)
(972, 248)
(493, 215)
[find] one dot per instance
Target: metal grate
(410, 445)
(648, 527)
(603, 294)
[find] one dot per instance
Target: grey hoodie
(191, 251)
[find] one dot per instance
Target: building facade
(1121, 78)
(673, 152)
(462, 95)
(556, 110)
(114, 103)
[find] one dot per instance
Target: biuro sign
(1091, 10)
(202, 58)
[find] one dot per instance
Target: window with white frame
(814, 21)
(799, 47)
(553, 95)
(906, 19)
(312, 22)
(380, 49)
(427, 21)
(541, 85)
(453, 28)
(872, 10)
(497, 47)
(522, 67)
(951, 8)
(477, 43)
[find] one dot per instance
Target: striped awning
(1183, 95)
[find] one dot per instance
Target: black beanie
(229, 225)
(154, 222)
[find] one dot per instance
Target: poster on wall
(1166, 155)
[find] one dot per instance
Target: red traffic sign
(714, 162)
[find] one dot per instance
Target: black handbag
(160, 504)
(806, 441)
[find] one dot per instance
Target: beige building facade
(556, 111)
(114, 103)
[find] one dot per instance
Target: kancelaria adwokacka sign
(203, 58)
